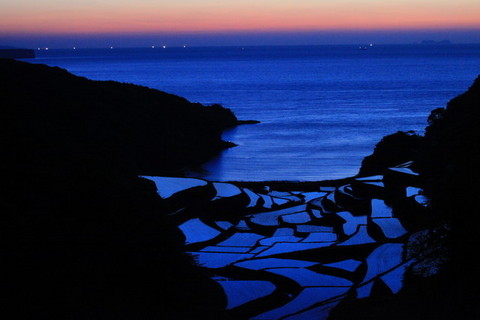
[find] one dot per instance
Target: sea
(322, 109)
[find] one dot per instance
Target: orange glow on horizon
(283, 16)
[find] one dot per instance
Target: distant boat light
(153, 47)
(164, 47)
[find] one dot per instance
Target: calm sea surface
(322, 108)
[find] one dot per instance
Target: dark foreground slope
(448, 159)
(82, 236)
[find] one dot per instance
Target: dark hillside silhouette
(393, 149)
(83, 236)
(448, 159)
(451, 168)
(149, 130)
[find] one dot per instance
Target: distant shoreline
(17, 53)
(240, 46)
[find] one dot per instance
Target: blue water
(322, 108)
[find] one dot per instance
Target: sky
(217, 22)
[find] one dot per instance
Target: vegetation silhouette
(83, 236)
(392, 150)
(448, 159)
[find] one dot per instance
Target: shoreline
(286, 185)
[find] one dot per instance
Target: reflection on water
(322, 108)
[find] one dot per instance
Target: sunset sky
(55, 21)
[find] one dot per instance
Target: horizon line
(186, 46)
(243, 38)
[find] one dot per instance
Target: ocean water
(322, 108)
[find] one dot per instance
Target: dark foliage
(392, 150)
(451, 168)
(82, 236)
(448, 160)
